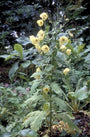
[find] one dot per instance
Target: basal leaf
(82, 93)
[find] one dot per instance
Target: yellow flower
(46, 89)
(38, 76)
(70, 33)
(63, 40)
(38, 69)
(68, 52)
(65, 71)
(40, 22)
(37, 46)
(34, 40)
(43, 16)
(63, 48)
(45, 48)
(40, 35)
(67, 19)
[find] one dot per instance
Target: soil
(4, 78)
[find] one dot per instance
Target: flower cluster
(64, 40)
(40, 35)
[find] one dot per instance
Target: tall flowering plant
(52, 68)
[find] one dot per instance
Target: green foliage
(11, 111)
(34, 119)
(15, 21)
(58, 87)
(19, 49)
(13, 70)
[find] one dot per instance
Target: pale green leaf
(34, 119)
(87, 58)
(61, 103)
(19, 49)
(25, 64)
(13, 69)
(56, 88)
(35, 84)
(39, 73)
(33, 98)
(82, 93)
(23, 40)
(46, 106)
(11, 56)
(49, 68)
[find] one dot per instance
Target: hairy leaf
(34, 98)
(61, 103)
(55, 87)
(34, 119)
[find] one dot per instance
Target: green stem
(50, 113)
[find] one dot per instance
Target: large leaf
(61, 103)
(13, 69)
(35, 85)
(33, 98)
(34, 119)
(87, 58)
(19, 49)
(26, 64)
(56, 88)
(28, 131)
(23, 40)
(82, 93)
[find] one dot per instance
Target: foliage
(11, 111)
(15, 21)
(49, 90)
(58, 88)
(77, 12)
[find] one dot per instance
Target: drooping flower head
(40, 22)
(38, 76)
(38, 69)
(67, 19)
(46, 89)
(45, 48)
(63, 48)
(70, 34)
(65, 71)
(68, 52)
(44, 16)
(34, 39)
(40, 35)
(63, 40)
(37, 46)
